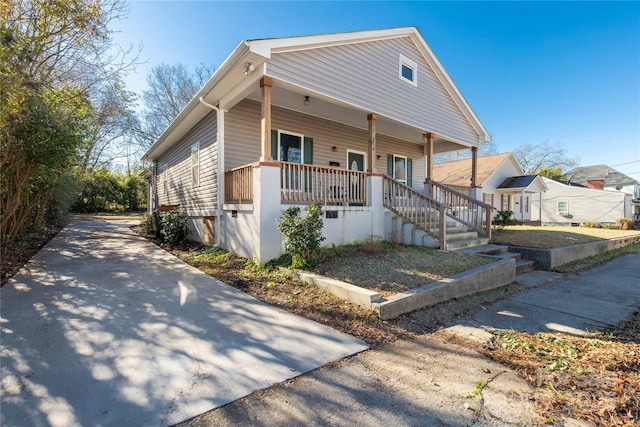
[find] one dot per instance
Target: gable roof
(581, 175)
(458, 172)
(229, 80)
(523, 183)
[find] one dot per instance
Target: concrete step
(489, 249)
(514, 255)
(524, 265)
(459, 244)
(464, 235)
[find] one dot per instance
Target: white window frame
(406, 62)
(195, 165)
(165, 181)
(300, 135)
(406, 166)
(566, 202)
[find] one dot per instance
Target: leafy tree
(104, 190)
(41, 146)
(553, 173)
(534, 158)
(56, 61)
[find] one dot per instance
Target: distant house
(350, 121)
(603, 177)
(564, 204)
(500, 182)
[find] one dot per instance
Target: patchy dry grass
(554, 236)
(391, 269)
(595, 378)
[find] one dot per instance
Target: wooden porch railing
(308, 183)
(238, 185)
(423, 212)
(459, 188)
(301, 183)
(463, 208)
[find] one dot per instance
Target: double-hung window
(400, 169)
(195, 164)
(563, 208)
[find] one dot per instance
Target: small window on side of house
(165, 181)
(563, 208)
(408, 70)
(195, 164)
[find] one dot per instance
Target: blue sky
(563, 72)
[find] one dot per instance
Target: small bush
(174, 227)
(373, 245)
(502, 219)
(592, 224)
(625, 224)
(303, 235)
(148, 223)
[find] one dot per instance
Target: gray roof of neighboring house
(517, 181)
(581, 175)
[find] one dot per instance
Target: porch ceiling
(292, 98)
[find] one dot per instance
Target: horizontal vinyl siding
(242, 139)
(367, 74)
(584, 204)
(197, 201)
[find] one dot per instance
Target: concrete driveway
(104, 328)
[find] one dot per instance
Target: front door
(355, 162)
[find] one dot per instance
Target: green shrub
(174, 227)
(592, 224)
(625, 224)
(148, 223)
(502, 219)
(303, 235)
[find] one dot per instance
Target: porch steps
(522, 265)
(399, 230)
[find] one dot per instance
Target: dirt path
(429, 381)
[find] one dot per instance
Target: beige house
(349, 120)
(500, 182)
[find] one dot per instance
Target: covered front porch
(313, 149)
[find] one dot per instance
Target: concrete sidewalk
(594, 300)
(105, 328)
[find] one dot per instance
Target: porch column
(474, 166)
(371, 152)
(265, 122)
(428, 154)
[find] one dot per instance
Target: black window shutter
(274, 144)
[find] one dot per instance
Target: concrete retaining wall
(491, 276)
(548, 259)
(483, 278)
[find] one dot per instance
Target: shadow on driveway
(102, 327)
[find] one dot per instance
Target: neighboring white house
(604, 177)
(347, 120)
(564, 204)
(500, 182)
